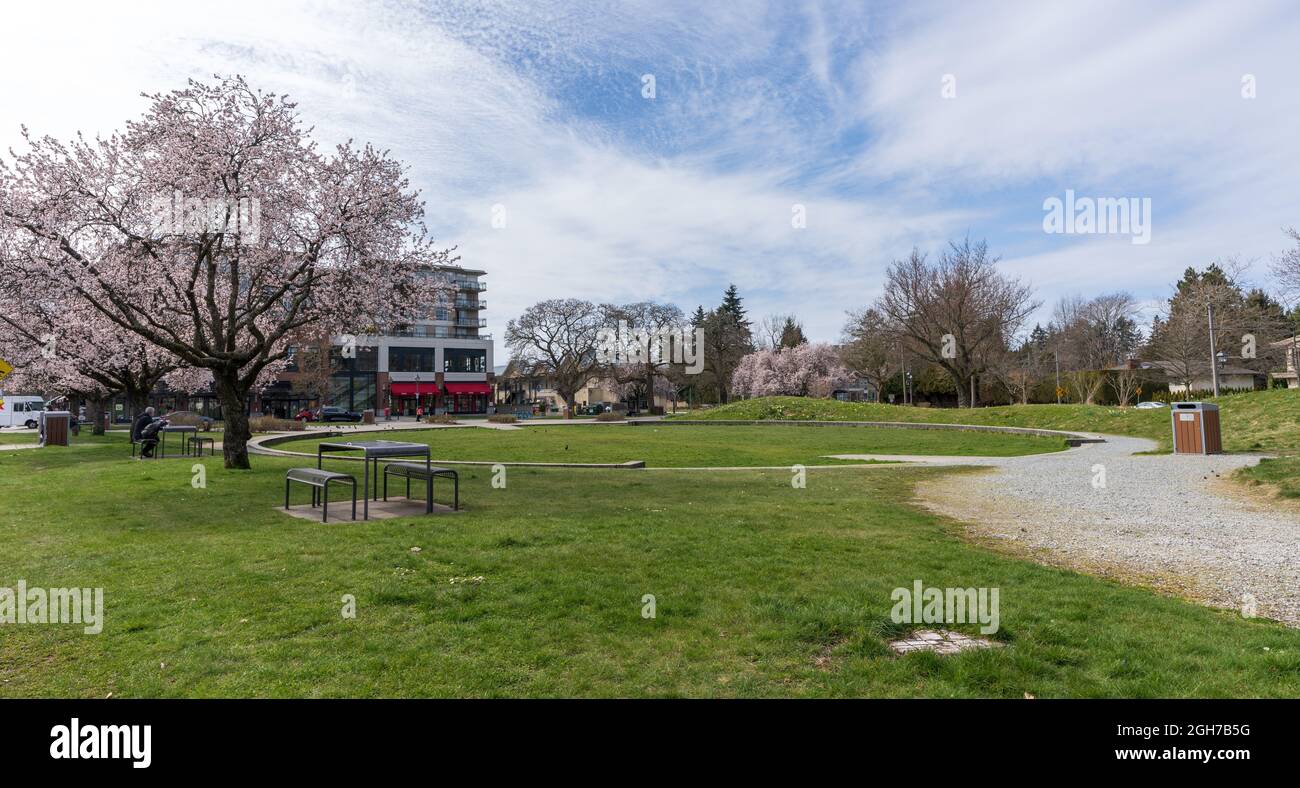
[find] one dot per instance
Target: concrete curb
(261, 445)
(1080, 437)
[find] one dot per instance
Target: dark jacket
(141, 422)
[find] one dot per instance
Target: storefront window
(352, 391)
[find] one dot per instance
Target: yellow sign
(5, 369)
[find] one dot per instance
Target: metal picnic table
(374, 451)
(183, 430)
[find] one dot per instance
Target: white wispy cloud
(537, 106)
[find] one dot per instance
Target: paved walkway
(1175, 522)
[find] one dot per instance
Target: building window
(464, 360)
(410, 359)
(353, 391)
(366, 359)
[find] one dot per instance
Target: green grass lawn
(9, 436)
(762, 590)
(1255, 421)
(1281, 473)
(686, 446)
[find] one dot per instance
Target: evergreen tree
(699, 317)
(731, 304)
(792, 334)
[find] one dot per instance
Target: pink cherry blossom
(338, 247)
(808, 370)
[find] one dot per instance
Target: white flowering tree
(69, 348)
(214, 229)
(812, 369)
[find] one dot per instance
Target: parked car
(1152, 405)
(306, 414)
(189, 418)
(337, 414)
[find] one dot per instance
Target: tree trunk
(95, 412)
(650, 388)
(235, 436)
(962, 384)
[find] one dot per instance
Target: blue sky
(838, 107)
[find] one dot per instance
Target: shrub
(272, 424)
(441, 418)
(610, 416)
(502, 418)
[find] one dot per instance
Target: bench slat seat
(314, 476)
(319, 480)
(418, 470)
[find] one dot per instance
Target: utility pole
(1057, 357)
(1214, 357)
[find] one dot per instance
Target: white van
(20, 411)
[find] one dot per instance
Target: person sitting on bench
(145, 432)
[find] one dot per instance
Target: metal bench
(418, 470)
(319, 482)
(140, 442)
(196, 443)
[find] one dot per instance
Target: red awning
(468, 388)
(408, 389)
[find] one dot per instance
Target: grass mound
(1252, 421)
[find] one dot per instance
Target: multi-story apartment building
(440, 365)
(443, 365)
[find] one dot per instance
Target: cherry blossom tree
(807, 370)
(68, 347)
(214, 229)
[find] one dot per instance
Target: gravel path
(1175, 522)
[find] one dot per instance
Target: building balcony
(437, 332)
(480, 304)
(471, 322)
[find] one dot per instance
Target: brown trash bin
(1196, 428)
(56, 427)
(367, 417)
